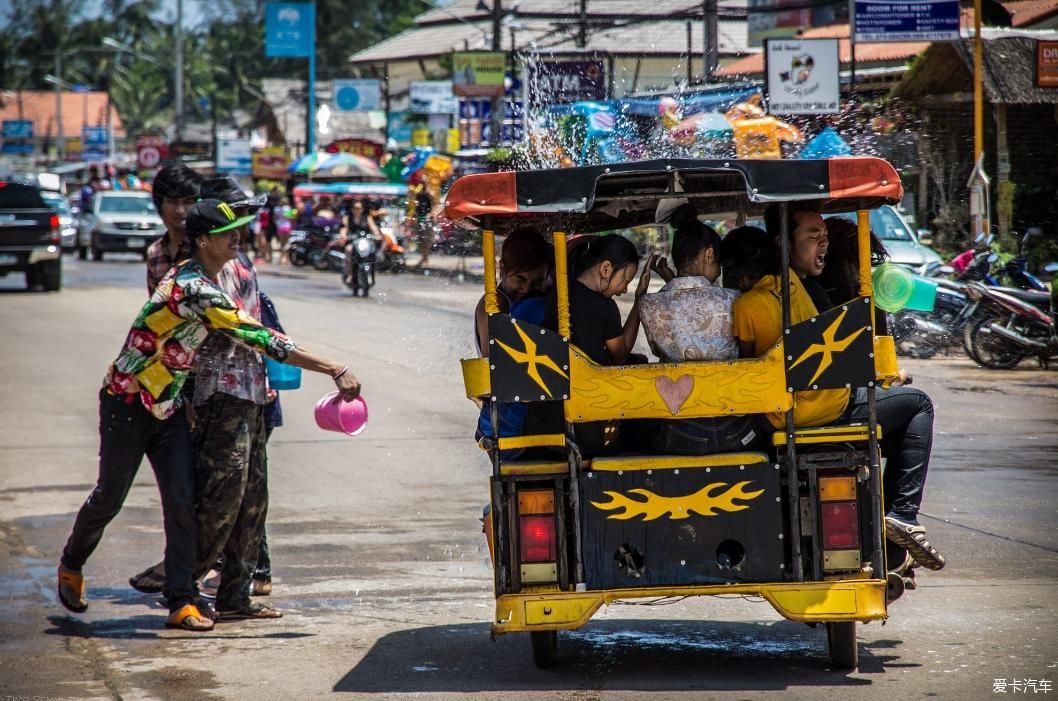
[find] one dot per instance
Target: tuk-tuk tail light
(840, 525)
(537, 536)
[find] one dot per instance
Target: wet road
(380, 566)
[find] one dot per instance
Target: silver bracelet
(340, 373)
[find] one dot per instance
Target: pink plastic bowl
(333, 414)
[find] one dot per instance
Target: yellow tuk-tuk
(800, 525)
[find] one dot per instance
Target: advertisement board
(906, 20)
(270, 163)
(357, 95)
(234, 156)
(290, 29)
(1047, 64)
(802, 76)
(361, 147)
(478, 73)
(18, 136)
(561, 82)
(94, 141)
(432, 97)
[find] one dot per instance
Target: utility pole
(582, 33)
(711, 47)
(178, 89)
(58, 106)
(497, 108)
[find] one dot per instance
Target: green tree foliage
(224, 57)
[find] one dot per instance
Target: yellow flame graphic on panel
(531, 359)
(829, 346)
(655, 506)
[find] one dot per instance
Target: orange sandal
(188, 617)
(72, 590)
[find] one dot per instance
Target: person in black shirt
(601, 268)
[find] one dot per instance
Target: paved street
(380, 566)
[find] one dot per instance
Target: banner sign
(94, 140)
(270, 163)
(234, 156)
(361, 147)
(290, 29)
(1047, 64)
(432, 97)
(906, 20)
(357, 95)
(802, 76)
(561, 82)
(474, 122)
(18, 136)
(478, 73)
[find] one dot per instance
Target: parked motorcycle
(1016, 329)
(390, 252)
(313, 244)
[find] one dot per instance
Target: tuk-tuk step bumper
(809, 602)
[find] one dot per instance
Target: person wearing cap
(175, 189)
(141, 409)
(228, 396)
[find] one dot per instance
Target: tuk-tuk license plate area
(685, 526)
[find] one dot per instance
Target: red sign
(361, 147)
(1047, 64)
(150, 151)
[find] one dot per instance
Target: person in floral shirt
(690, 318)
(142, 413)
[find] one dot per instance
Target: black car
(30, 235)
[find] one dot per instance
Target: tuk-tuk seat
(843, 433)
(631, 463)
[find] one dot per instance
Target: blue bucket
(281, 375)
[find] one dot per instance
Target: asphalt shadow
(639, 655)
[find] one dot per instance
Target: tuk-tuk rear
(799, 524)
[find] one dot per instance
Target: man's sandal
(189, 618)
(72, 590)
(912, 538)
(149, 581)
(251, 612)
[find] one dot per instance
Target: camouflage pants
(231, 492)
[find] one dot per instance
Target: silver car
(124, 221)
(902, 243)
(67, 222)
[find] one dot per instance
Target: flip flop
(71, 590)
(251, 612)
(149, 581)
(189, 618)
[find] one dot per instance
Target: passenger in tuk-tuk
(601, 268)
(690, 319)
(905, 414)
(525, 271)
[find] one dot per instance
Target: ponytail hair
(597, 249)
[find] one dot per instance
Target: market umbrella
(308, 163)
(348, 165)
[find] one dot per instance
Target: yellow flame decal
(655, 506)
(828, 347)
(531, 359)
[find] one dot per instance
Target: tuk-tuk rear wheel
(841, 643)
(545, 648)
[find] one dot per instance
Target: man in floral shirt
(141, 410)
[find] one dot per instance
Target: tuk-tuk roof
(620, 195)
(357, 189)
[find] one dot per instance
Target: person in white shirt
(690, 319)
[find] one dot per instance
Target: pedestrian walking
(141, 408)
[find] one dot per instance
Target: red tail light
(54, 221)
(536, 526)
(537, 537)
(840, 525)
